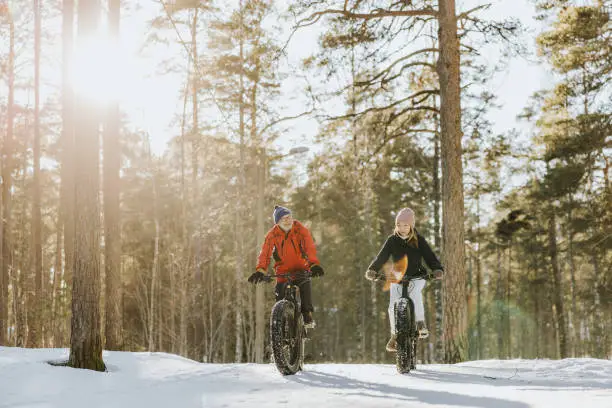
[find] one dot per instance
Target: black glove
(316, 270)
(257, 277)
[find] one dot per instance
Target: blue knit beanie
(279, 212)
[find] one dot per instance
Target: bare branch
(382, 108)
(284, 119)
(400, 134)
(385, 81)
(394, 63)
(467, 13)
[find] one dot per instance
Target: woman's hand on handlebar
(374, 276)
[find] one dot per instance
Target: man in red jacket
(294, 251)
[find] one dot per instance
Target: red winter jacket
(293, 251)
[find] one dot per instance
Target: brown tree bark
(186, 240)
(455, 307)
(558, 286)
(574, 321)
(437, 294)
(239, 248)
(155, 266)
(20, 273)
(7, 180)
(479, 346)
(67, 160)
(197, 305)
(112, 233)
(56, 294)
(499, 301)
(35, 319)
(86, 336)
(260, 323)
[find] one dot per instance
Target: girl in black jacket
(406, 245)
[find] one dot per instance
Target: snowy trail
(164, 380)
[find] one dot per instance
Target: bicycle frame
(291, 294)
(406, 286)
(405, 323)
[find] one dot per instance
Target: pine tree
(86, 337)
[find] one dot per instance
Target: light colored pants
(414, 292)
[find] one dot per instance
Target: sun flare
(101, 69)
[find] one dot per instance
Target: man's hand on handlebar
(257, 277)
(316, 270)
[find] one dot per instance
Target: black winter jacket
(396, 247)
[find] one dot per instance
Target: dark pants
(305, 294)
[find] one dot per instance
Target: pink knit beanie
(405, 215)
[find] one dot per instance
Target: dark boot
(309, 323)
(422, 329)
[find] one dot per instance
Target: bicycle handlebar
(429, 276)
(294, 276)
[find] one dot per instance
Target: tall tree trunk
(7, 180)
(211, 310)
(469, 292)
(508, 329)
(155, 267)
(260, 323)
(113, 327)
(437, 199)
(599, 321)
(160, 309)
(86, 337)
(198, 294)
(67, 151)
(499, 303)
(356, 194)
(479, 348)
(558, 286)
(455, 313)
(56, 334)
(241, 185)
(35, 320)
(172, 306)
(538, 319)
(369, 230)
(573, 321)
(21, 281)
(186, 241)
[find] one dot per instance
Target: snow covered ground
(164, 380)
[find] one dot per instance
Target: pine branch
(394, 63)
(377, 13)
(398, 102)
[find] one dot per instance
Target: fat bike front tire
(286, 338)
(403, 319)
